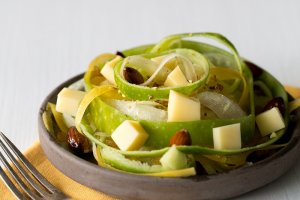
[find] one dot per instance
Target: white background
(43, 43)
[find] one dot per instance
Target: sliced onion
(188, 68)
(159, 68)
(221, 105)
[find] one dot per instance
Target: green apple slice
(107, 119)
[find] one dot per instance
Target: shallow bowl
(128, 186)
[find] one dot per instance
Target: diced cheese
(182, 108)
(108, 69)
(129, 135)
(174, 159)
(176, 78)
(269, 121)
(68, 101)
(227, 137)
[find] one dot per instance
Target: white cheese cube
(68, 101)
(108, 69)
(227, 137)
(269, 121)
(176, 78)
(182, 108)
(173, 159)
(129, 135)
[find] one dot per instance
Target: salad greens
(225, 86)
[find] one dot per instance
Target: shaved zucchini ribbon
(140, 92)
(165, 44)
(168, 41)
(143, 92)
(88, 132)
(163, 173)
(277, 90)
(84, 125)
(223, 40)
(137, 91)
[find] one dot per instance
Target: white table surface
(43, 43)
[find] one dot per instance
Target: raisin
(78, 143)
(276, 102)
(133, 76)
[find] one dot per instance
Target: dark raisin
(133, 76)
(78, 143)
(119, 53)
(276, 102)
(256, 71)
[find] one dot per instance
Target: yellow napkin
(65, 184)
(73, 189)
(294, 91)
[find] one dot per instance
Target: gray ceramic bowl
(126, 186)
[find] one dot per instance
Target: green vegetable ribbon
(106, 118)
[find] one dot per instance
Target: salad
(176, 108)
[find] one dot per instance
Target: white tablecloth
(43, 43)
